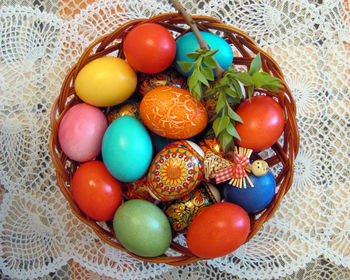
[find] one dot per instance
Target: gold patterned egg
(129, 108)
(181, 211)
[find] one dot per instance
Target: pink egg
(81, 131)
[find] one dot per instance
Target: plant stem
(196, 32)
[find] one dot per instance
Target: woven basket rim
(108, 44)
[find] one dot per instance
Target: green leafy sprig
(202, 73)
(228, 88)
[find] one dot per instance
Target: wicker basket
(244, 49)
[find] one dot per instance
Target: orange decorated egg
(176, 170)
(173, 112)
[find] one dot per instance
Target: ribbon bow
(236, 171)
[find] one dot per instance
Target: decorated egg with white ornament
(176, 170)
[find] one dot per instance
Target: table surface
(309, 236)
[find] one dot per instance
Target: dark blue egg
(252, 199)
(160, 142)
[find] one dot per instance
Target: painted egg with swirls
(176, 170)
(137, 190)
(173, 112)
(169, 77)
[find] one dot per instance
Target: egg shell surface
(252, 199)
(81, 131)
(176, 170)
(127, 149)
(218, 230)
(105, 81)
(173, 112)
(188, 43)
(142, 228)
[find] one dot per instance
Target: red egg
(97, 193)
(218, 230)
(149, 48)
(263, 123)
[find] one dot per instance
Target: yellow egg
(105, 81)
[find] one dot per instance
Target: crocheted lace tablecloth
(309, 236)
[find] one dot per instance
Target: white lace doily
(309, 236)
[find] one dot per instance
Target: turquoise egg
(252, 199)
(142, 228)
(127, 149)
(188, 43)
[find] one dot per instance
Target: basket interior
(280, 156)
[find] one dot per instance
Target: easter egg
(263, 123)
(149, 48)
(188, 43)
(182, 211)
(169, 77)
(173, 112)
(176, 170)
(218, 230)
(126, 149)
(137, 190)
(142, 228)
(81, 131)
(95, 191)
(105, 81)
(128, 108)
(252, 199)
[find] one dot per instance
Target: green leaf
(197, 91)
(209, 61)
(221, 102)
(250, 91)
(237, 88)
(185, 65)
(233, 115)
(211, 52)
(193, 55)
(191, 82)
(224, 81)
(243, 77)
(231, 69)
(220, 124)
(255, 64)
(232, 131)
(232, 100)
(201, 77)
(265, 80)
(273, 88)
(260, 79)
(208, 73)
(226, 140)
(229, 91)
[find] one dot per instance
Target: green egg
(142, 228)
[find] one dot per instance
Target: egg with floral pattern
(176, 170)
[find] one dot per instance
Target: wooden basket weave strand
(245, 50)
